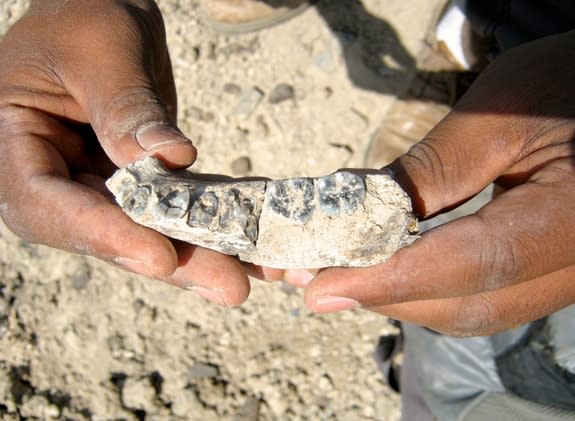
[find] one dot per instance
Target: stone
(197, 113)
(138, 394)
(250, 411)
(248, 102)
(202, 370)
(344, 219)
(38, 407)
(281, 93)
(232, 88)
(241, 166)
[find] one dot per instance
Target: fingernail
(158, 136)
(212, 295)
(330, 304)
(133, 265)
(299, 277)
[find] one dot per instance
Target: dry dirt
(82, 340)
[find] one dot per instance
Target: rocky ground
(82, 340)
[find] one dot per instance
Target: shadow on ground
(377, 60)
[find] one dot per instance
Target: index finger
(490, 312)
(523, 234)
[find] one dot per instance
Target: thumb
(475, 144)
(131, 121)
(455, 161)
(128, 95)
(505, 126)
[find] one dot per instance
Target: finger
(502, 119)
(490, 312)
(507, 242)
(128, 94)
(262, 272)
(16, 120)
(299, 278)
(84, 222)
(40, 204)
(113, 72)
(167, 86)
(455, 161)
(218, 278)
(132, 122)
(94, 182)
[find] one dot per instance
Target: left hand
(86, 86)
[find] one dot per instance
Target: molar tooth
(137, 201)
(342, 190)
(204, 210)
(292, 198)
(352, 191)
(240, 210)
(278, 197)
(174, 204)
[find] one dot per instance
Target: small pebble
(280, 93)
(250, 411)
(38, 407)
(138, 394)
(196, 113)
(248, 102)
(201, 370)
(81, 277)
(241, 166)
(232, 88)
(4, 325)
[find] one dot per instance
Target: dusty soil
(82, 340)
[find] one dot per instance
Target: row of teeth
(291, 198)
(294, 198)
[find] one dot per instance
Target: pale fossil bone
(343, 219)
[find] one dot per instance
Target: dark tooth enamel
(292, 198)
(340, 191)
(137, 202)
(239, 210)
(204, 210)
(343, 219)
(174, 204)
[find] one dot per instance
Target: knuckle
(502, 263)
(13, 221)
(425, 154)
(10, 117)
(15, 121)
(477, 315)
(126, 112)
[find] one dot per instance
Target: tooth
(292, 198)
(174, 204)
(135, 200)
(204, 210)
(342, 190)
(343, 219)
(240, 211)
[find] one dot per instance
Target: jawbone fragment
(343, 219)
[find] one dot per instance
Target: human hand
(86, 86)
(511, 262)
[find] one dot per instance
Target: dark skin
(73, 108)
(85, 87)
(513, 261)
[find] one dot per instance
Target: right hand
(86, 87)
(512, 261)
